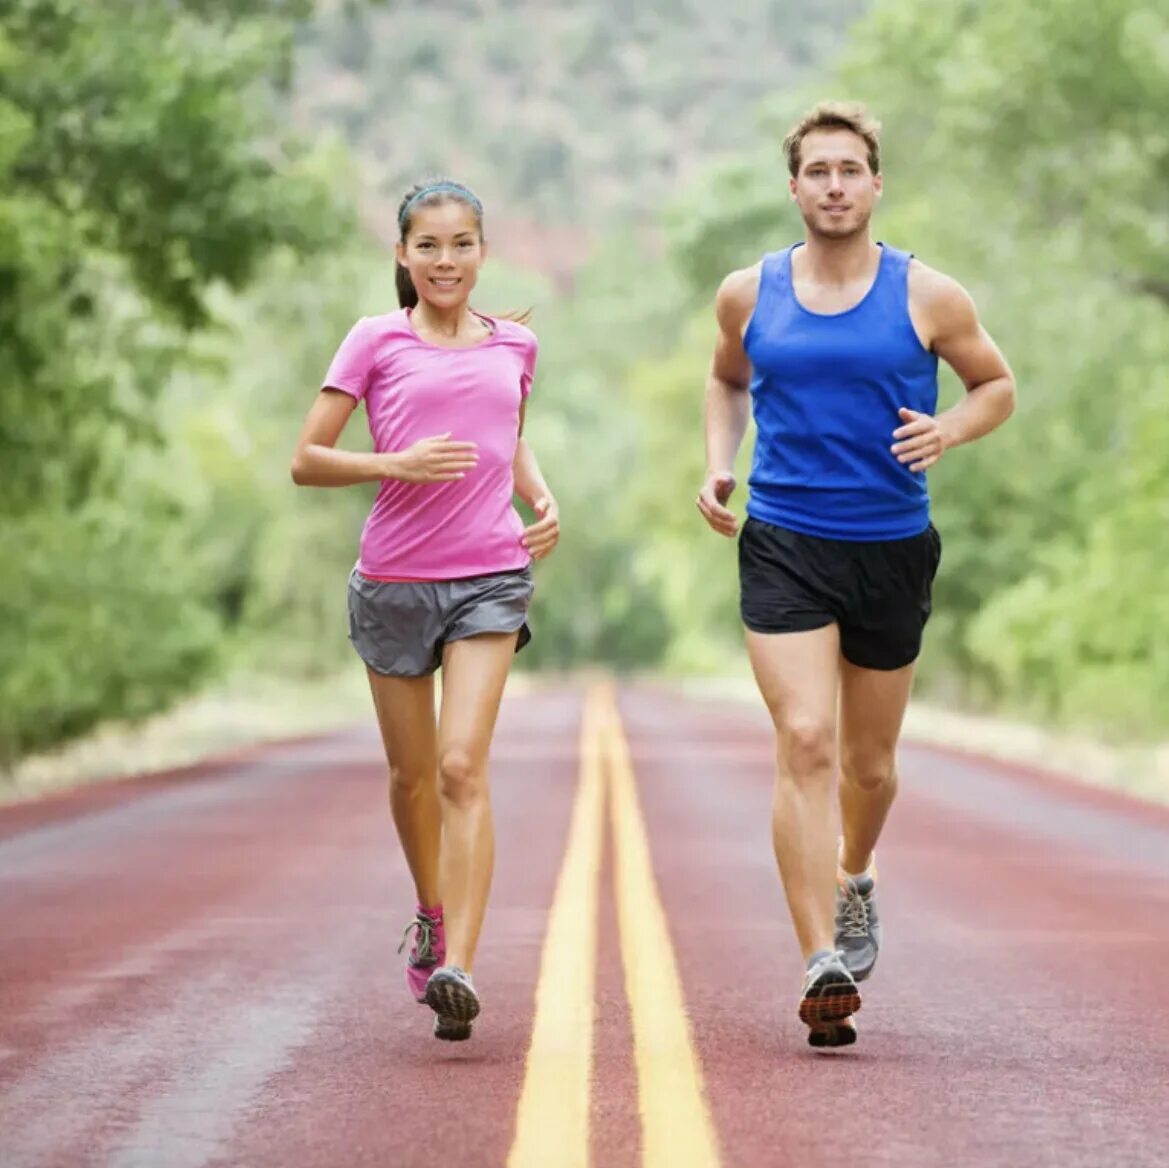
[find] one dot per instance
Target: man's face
(835, 190)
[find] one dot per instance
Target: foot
(448, 1030)
(832, 1034)
(451, 995)
(428, 951)
(858, 927)
(830, 994)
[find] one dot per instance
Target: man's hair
(835, 115)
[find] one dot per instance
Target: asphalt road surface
(199, 968)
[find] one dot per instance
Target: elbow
(1009, 398)
(299, 471)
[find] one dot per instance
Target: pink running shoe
(428, 951)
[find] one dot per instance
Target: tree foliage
(140, 170)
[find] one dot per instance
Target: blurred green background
(197, 200)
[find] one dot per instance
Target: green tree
(141, 171)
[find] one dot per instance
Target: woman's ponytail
(407, 293)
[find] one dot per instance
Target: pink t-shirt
(413, 389)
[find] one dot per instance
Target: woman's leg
(474, 672)
(405, 714)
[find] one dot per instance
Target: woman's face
(443, 253)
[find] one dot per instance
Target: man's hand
(542, 536)
(921, 441)
(712, 503)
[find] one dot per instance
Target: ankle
(852, 865)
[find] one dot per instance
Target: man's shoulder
(931, 286)
(939, 298)
(739, 290)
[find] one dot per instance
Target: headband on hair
(433, 189)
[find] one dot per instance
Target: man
(837, 341)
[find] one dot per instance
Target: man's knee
(807, 749)
(868, 771)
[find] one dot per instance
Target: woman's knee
(462, 779)
(410, 781)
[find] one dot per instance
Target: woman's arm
(316, 462)
(541, 537)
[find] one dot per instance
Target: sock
(819, 955)
(434, 914)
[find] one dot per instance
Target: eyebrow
(457, 235)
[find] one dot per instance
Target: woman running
(444, 576)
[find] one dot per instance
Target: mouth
(837, 209)
(445, 281)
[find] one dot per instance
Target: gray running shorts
(399, 628)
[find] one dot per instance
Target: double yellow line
(553, 1120)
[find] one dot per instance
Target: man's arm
(944, 311)
(728, 408)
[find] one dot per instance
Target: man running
(837, 340)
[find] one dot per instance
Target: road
(199, 969)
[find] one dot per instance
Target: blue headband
(434, 188)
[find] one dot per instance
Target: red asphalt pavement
(201, 970)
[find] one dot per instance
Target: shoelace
(424, 940)
(852, 916)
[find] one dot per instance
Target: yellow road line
(552, 1125)
(677, 1130)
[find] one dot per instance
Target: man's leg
(798, 676)
(872, 708)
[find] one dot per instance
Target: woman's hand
(432, 460)
(542, 536)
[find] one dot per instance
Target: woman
(444, 575)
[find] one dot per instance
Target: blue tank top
(825, 391)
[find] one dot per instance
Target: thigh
(405, 715)
(785, 580)
(474, 672)
(497, 603)
(872, 709)
(395, 626)
(889, 601)
(798, 675)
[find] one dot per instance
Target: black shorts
(877, 592)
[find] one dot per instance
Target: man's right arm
(728, 407)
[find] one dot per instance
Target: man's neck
(838, 261)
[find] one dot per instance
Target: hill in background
(566, 117)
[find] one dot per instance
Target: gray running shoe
(452, 997)
(829, 995)
(830, 1035)
(858, 927)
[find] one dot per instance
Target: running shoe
(428, 951)
(451, 995)
(858, 926)
(829, 994)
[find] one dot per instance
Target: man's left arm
(944, 311)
